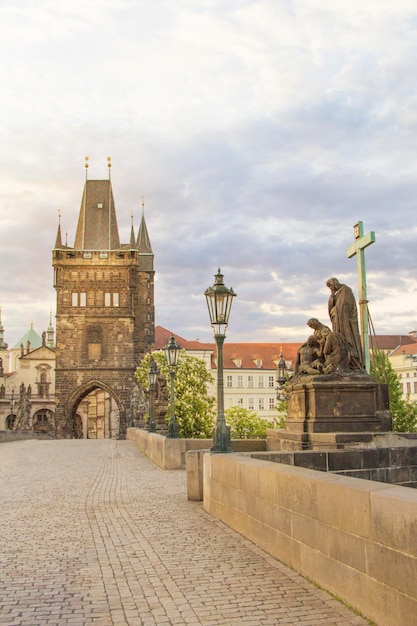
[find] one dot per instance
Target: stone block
(310, 532)
(347, 548)
(371, 459)
(344, 460)
(393, 568)
(345, 503)
(312, 460)
(394, 518)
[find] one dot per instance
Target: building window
(261, 404)
(107, 299)
(271, 382)
(83, 299)
(74, 301)
(229, 382)
(240, 401)
(251, 404)
(415, 387)
(408, 389)
(258, 363)
(250, 380)
(260, 381)
(115, 299)
(271, 404)
(240, 381)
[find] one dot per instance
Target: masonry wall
(355, 538)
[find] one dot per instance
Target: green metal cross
(358, 248)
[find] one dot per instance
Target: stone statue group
(337, 349)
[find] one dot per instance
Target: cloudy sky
(259, 133)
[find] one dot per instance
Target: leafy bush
(246, 424)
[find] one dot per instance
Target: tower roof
(143, 243)
(97, 223)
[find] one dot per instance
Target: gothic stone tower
(105, 312)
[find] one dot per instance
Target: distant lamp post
(281, 378)
(219, 301)
(172, 353)
(152, 375)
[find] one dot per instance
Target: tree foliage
(403, 410)
(194, 407)
(246, 424)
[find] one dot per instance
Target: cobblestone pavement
(93, 533)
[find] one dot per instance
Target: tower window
(111, 299)
(75, 299)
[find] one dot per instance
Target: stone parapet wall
(396, 465)
(171, 453)
(20, 435)
(353, 537)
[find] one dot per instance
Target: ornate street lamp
(152, 375)
(281, 370)
(281, 378)
(172, 353)
(219, 301)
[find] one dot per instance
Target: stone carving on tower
(104, 317)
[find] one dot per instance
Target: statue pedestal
(333, 411)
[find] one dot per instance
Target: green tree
(246, 424)
(194, 406)
(403, 410)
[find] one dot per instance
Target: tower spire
(50, 332)
(143, 243)
(132, 232)
(3, 345)
(58, 240)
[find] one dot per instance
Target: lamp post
(219, 301)
(152, 374)
(172, 353)
(281, 379)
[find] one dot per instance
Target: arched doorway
(96, 414)
(43, 422)
(10, 420)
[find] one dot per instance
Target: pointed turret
(58, 240)
(50, 333)
(97, 223)
(3, 345)
(143, 245)
(132, 238)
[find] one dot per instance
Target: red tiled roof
(269, 353)
(391, 342)
(408, 349)
(247, 353)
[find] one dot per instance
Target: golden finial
(131, 216)
(59, 216)
(109, 164)
(86, 167)
(66, 239)
(143, 205)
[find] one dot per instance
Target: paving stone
(92, 533)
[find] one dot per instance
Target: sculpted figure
(344, 316)
(334, 352)
(308, 361)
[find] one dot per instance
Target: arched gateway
(95, 412)
(104, 320)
